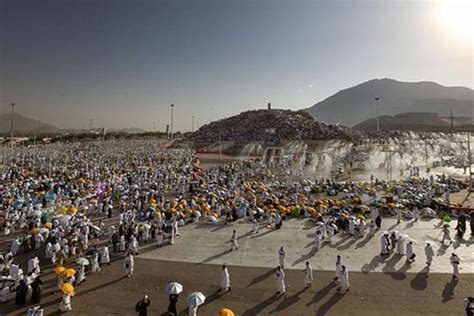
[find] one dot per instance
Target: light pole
(11, 124)
(377, 113)
(192, 127)
(469, 160)
(171, 125)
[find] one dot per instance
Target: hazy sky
(121, 63)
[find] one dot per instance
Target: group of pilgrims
(73, 206)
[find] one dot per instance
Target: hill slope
(24, 124)
(356, 104)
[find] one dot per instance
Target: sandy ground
(253, 292)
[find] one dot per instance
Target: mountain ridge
(355, 104)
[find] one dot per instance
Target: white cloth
(400, 245)
(33, 264)
(429, 253)
(384, 245)
(65, 303)
(308, 275)
(225, 279)
(281, 281)
(282, 256)
(129, 264)
(455, 264)
(104, 255)
(410, 252)
(15, 247)
(344, 277)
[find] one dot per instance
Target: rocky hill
(270, 126)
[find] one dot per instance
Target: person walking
(172, 307)
(469, 306)
(372, 227)
(446, 234)
(255, 226)
(308, 275)
(338, 269)
(37, 290)
(410, 254)
(282, 256)
(225, 279)
(280, 281)
(429, 254)
(142, 306)
(344, 277)
(455, 261)
(401, 245)
(233, 240)
(129, 265)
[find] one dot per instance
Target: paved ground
(205, 243)
(253, 289)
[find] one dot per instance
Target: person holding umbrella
(81, 274)
(173, 289)
(172, 307)
(194, 300)
(68, 292)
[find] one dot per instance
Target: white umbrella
(146, 225)
(173, 288)
(197, 213)
(212, 219)
(7, 278)
(82, 261)
(195, 299)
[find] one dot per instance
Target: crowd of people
(76, 205)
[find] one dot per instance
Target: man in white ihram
(225, 279)
(282, 256)
(308, 275)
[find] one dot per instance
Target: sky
(121, 63)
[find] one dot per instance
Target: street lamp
(171, 125)
(377, 113)
(11, 124)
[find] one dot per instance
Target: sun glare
(457, 16)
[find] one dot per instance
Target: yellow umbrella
(72, 210)
(34, 231)
(59, 270)
(226, 312)
(67, 288)
(69, 272)
(48, 225)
